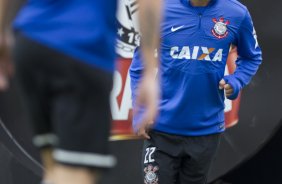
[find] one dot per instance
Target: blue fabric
(83, 29)
(195, 44)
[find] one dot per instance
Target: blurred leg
(75, 175)
(48, 163)
(69, 108)
(30, 59)
(82, 121)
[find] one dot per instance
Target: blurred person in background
(64, 60)
(196, 36)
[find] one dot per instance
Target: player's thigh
(201, 152)
(159, 167)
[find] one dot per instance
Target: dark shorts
(68, 103)
(174, 159)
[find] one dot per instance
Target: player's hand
(228, 88)
(6, 68)
(147, 99)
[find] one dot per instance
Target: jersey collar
(188, 3)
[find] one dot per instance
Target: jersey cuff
(235, 84)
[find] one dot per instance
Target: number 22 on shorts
(148, 156)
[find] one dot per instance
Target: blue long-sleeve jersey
(195, 42)
(82, 29)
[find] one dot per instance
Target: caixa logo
(121, 103)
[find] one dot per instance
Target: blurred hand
(228, 88)
(147, 99)
(6, 68)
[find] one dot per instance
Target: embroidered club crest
(220, 28)
(150, 174)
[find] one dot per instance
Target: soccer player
(64, 59)
(196, 36)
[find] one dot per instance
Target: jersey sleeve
(249, 56)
